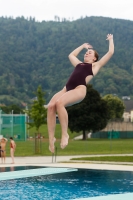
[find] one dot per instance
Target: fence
(13, 125)
(116, 129)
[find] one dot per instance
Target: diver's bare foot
(51, 145)
(64, 140)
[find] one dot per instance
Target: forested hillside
(36, 53)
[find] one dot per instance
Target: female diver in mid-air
(75, 89)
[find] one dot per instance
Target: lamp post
(26, 122)
(0, 120)
(12, 124)
(28, 127)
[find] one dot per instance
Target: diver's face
(89, 56)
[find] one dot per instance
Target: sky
(69, 9)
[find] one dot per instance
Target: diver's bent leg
(51, 123)
(51, 118)
(69, 98)
(63, 118)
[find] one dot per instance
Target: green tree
(37, 115)
(115, 105)
(12, 108)
(25, 63)
(37, 112)
(89, 115)
(16, 109)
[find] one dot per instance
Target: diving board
(33, 172)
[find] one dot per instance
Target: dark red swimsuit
(81, 71)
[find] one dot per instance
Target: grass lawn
(75, 147)
(107, 158)
(91, 146)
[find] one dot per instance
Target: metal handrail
(54, 155)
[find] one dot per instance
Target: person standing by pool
(12, 149)
(75, 89)
(3, 142)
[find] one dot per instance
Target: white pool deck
(64, 161)
(126, 196)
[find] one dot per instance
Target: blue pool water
(71, 185)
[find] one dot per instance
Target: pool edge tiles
(33, 172)
(123, 196)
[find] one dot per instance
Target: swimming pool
(83, 183)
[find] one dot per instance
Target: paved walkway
(50, 159)
(64, 161)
